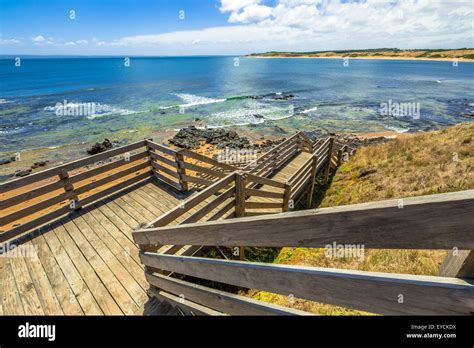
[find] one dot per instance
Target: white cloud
(307, 25)
(9, 41)
(252, 13)
(39, 38)
(236, 5)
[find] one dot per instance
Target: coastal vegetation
(412, 165)
(379, 53)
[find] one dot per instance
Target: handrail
(374, 225)
(54, 192)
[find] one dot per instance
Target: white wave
(89, 110)
(307, 111)
(4, 101)
(257, 114)
(14, 130)
(192, 100)
(397, 129)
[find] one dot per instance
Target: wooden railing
(39, 198)
(167, 165)
(420, 224)
(275, 158)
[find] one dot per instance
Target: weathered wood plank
(18, 214)
(263, 205)
(377, 292)
(59, 283)
(25, 227)
(81, 291)
(264, 181)
(29, 296)
(374, 225)
(200, 169)
(46, 295)
(186, 307)
(14, 200)
(173, 184)
(99, 290)
(10, 296)
(202, 158)
(458, 263)
(107, 167)
(218, 300)
(263, 193)
(97, 183)
(197, 180)
(160, 148)
(165, 160)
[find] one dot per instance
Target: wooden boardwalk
(87, 262)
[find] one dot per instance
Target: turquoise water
(158, 94)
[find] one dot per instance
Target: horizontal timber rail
(418, 225)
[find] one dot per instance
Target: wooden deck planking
(87, 262)
(59, 284)
(107, 273)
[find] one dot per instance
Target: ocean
(50, 102)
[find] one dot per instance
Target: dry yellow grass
(414, 165)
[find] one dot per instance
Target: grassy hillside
(413, 165)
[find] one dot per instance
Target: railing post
(69, 187)
(286, 197)
(300, 142)
(340, 153)
(240, 196)
(312, 181)
(458, 264)
(181, 170)
(150, 160)
(329, 156)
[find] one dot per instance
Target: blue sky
(153, 27)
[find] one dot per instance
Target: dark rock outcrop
(192, 138)
(100, 147)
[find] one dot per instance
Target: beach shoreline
(460, 60)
